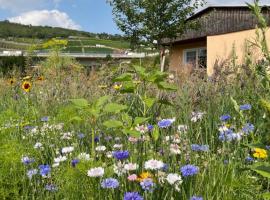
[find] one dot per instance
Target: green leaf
(140, 70)
(155, 133)
(266, 196)
(255, 145)
(235, 104)
(140, 120)
(265, 104)
(102, 100)
(76, 118)
(114, 108)
(123, 77)
(166, 86)
(149, 102)
(157, 77)
(128, 87)
(262, 169)
(127, 119)
(113, 124)
(132, 133)
(82, 103)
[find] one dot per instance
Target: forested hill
(8, 29)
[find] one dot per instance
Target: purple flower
(248, 128)
(165, 123)
(110, 183)
(81, 135)
(97, 139)
(150, 127)
(189, 170)
(197, 147)
(121, 155)
(74, 162)
(132, 196)
(229, 135)
(225, 117)
(51, 187)
(196, 198)
(44, 119)
(26, 160)
(44, 170)
(245, 107)
(249, 159)
(147, 184)
(267, 147)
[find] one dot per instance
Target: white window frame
(191, 50)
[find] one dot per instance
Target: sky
(87, 15)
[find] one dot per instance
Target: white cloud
(21, 5)
(53, 18)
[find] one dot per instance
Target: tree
(153, 20)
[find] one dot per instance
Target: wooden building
(222, 31)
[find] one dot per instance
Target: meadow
(134, 133)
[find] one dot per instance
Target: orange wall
(176, 55)
(220, 48)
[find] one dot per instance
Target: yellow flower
(26, 86)
(260, 153)
(117, 86)
(144, 175)
(12, 81)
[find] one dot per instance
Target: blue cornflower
(165, 123)
(51, 187)
(249, 159)
(267, 147)
(121, 155)
(110, 183)
(97, 139)
(189, 170)
(147, 184)
(226, 162)
(31, 173)
(26, 160)
(197, 147)
(196, 198)
(44, 119)
(44, 170)
(245, 107)
(150, 127)
(248, 128)
(27, 128)
(74, 162)
(225, 117)
(132, 196)
(229, 135)
(81, 135)
(165, 167)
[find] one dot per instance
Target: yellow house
(224, 31)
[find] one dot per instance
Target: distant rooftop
(210, 6)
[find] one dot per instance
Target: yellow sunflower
(260, 153)
(26, 86)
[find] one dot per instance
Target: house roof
(220, 19)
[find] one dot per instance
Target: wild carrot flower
(131, 166)
(67, 149)
(153, 164)
(132, 196)
(189, 170)
(196, 116)
(174, 178)
(110, 183)
(26, 86)
(96, 172)
(260, 153)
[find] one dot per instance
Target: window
(195, 57)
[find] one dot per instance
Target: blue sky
(89, 15)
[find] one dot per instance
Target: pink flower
(132, 177)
